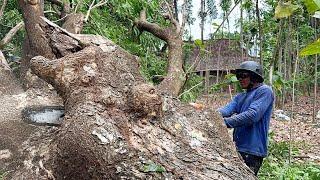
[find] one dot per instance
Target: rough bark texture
(118, 127)
(32, 10)
(18, 140)
(36, 42)
(176, 77)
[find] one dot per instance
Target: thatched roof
(220, 54)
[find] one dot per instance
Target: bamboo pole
(314, 112)
(315, 91)
(291, 136)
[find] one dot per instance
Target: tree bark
(32, 10)
(117, 126)
(175, 78)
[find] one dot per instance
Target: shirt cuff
(227, 122)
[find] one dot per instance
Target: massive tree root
(117, 126)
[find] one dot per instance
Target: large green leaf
(312, 5)
(311, 49)
(285, 9)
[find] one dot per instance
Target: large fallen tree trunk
(117, 126)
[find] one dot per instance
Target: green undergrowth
(277, 166)
(2, 174)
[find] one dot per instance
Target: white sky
(208, 28)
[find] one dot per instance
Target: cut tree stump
(117, 126)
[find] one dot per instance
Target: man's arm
(260, 104)
(230, 108)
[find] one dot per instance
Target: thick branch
(2, 8)
(153, 28)
(11, 34)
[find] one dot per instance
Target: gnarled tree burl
(118, 126)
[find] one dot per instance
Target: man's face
(244, 79)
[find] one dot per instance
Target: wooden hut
(220, 57)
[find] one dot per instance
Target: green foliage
(229, 79)
(311, 49)
(10, 18)
(199, 43)
(247, 4)
(193, 87)
(285, 9)
(152, 167)
(276, 165)
(225, 5)
(117, 24)
(2, 174)
(312, 5)
(151, 67)
(212, 9)
(278, 83)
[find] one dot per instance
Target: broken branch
(11, 34)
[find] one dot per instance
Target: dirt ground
(305, 134)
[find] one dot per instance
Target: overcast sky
(195, 28)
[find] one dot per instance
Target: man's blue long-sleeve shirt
(249, 114)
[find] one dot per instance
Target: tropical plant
(275, 166)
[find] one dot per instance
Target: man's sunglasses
(242, 75)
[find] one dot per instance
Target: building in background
(219, 58)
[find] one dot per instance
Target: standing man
(249, 114)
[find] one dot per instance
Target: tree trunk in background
(175, 7)
(117, 126)
(241, 30)
(202, 16)
(35, 27)
(315, 77)
(260, 32)
(35, 43)
(315, 90)
(176, 77)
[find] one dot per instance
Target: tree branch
(225, 18)
(92, 6)
(153, 28)
(171, 18)
(11, 34)
(2, 8)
